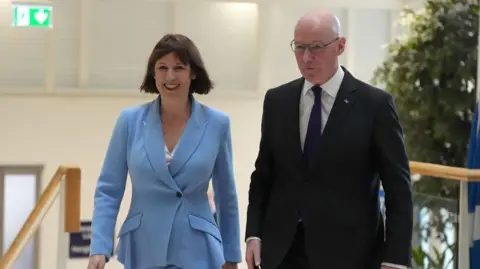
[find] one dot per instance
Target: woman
(171, 147)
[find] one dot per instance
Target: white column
(264, 72)
(63, 237)
(83, 52)
(276, 60)
(464, 228)
(226, 35)
(350, 29)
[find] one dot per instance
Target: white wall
(105, 44)
(229, 43)
(92, 62)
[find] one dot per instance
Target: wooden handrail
(443, 171)
(72, 211)
(72, 200)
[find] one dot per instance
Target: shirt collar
(331, 87)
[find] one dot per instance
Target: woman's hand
(96, 262)
(230, 265)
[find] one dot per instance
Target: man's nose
(307, 56)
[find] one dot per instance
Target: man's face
(316, 50)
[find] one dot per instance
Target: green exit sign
(38, 16)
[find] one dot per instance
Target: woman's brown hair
(188, 53)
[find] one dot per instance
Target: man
(327, 141)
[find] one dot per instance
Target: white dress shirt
(307, 99)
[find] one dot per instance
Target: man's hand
(252, 256)
(230, 265)
(96, 262)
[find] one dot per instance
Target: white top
(169, 155)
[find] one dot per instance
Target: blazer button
(179, 194)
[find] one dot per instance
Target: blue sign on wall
(79, 246)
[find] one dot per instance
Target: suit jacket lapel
(292, 119)
(344, 102)
(191, 137)
(154, 144)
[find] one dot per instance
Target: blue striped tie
(314, 130)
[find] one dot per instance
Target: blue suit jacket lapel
(154, 144)
(191, 137)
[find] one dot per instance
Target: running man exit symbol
(23, 16)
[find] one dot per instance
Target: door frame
(37, 170)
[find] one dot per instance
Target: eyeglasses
(313, 48)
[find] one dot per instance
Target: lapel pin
(346, 101)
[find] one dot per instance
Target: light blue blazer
(169, 221)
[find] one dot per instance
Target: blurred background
(67, 68)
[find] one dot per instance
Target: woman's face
(172, 77)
